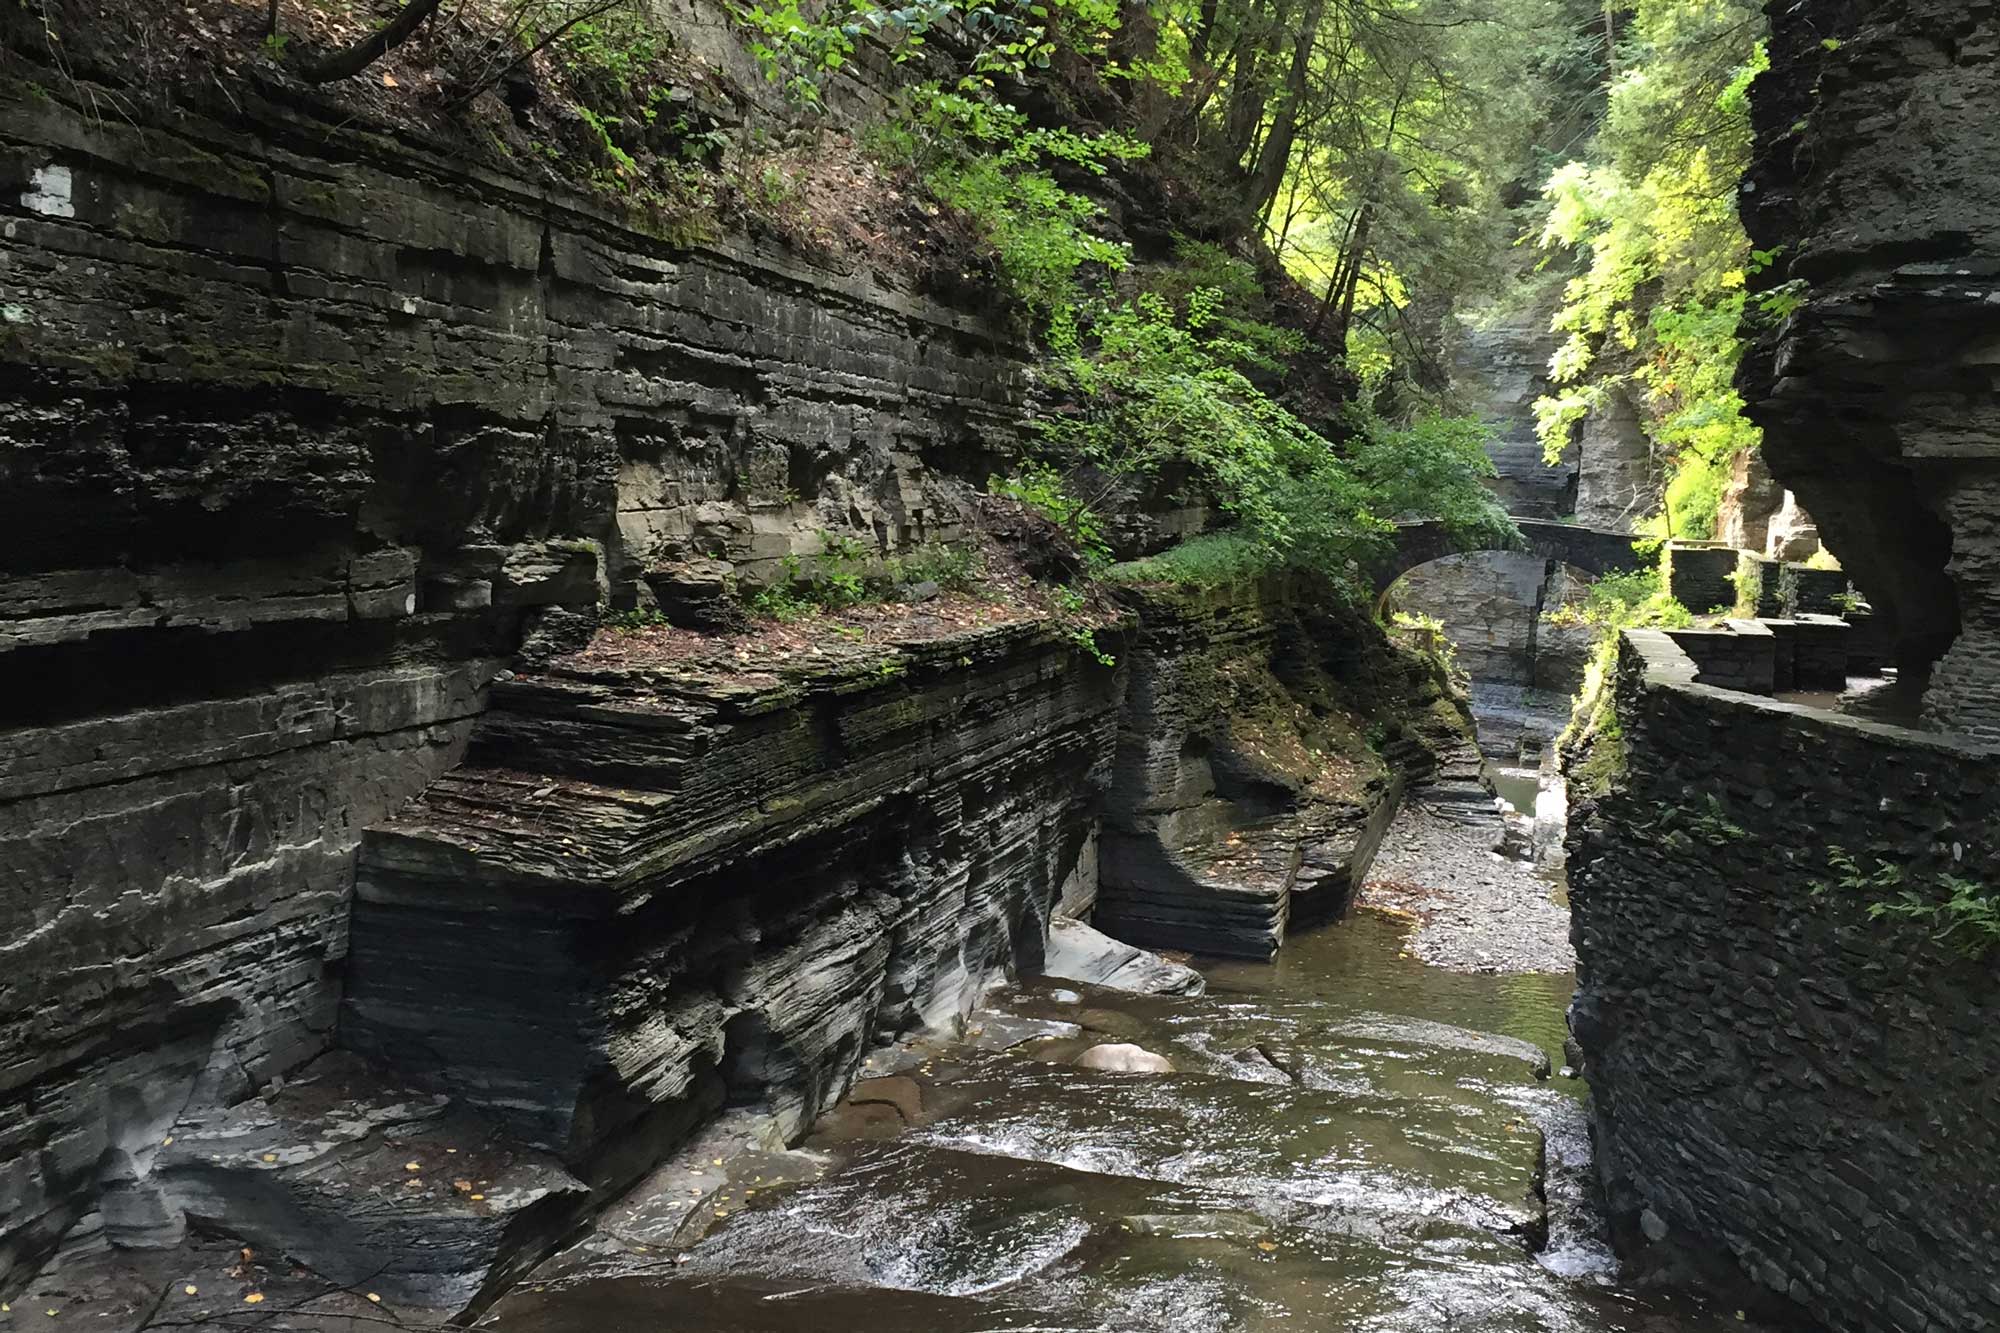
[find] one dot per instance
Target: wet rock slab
(1076, 952)
(975, 1240)
(369, 1182)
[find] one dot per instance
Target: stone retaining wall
(1780, 1082)
(1701, 577)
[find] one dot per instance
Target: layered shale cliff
(325, 450)
(1874, 180)
(305, 425)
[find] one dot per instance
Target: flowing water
(1350, 1141)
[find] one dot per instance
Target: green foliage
(1072, 608)
(1605, 760)
(983, 160)
(622, 46)
(632, 622)
(1048, 492)
(802, 46)
(1961, 914)
(846, 574)
(1615, 603)
(1207, 561)
(1158, 394)
(952, 568)
(1661, 303)
(1711, 823)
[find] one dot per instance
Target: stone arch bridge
(1593, 550)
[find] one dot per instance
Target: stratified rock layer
(649, 892)
(1246, 790)
(1877, 180)
(302, 423)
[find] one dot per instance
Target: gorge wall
(323, 445)
(1779, 1078)
(304, 425)
(1877, 397)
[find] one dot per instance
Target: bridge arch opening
(1494, 607)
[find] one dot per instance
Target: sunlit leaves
(1660, 301)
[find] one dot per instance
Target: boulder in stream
(1124, 1058)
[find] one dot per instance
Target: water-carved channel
(1345, 1137)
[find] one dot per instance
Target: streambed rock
(1123, 1058)
(1077, 952)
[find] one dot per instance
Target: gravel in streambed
(1475, 911)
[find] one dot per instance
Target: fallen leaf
(477, 1198)
(190, 1289)
(167, 1142)
(413, 1166)
(270, 1157)
(388, 81)
(254, 1298)
(1267, 1245)
(462, 1186)
(373, 1297)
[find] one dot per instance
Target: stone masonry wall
(1780, 1082)
(301, 426)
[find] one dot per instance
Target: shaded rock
(366, 1181)
(1077, 952)
(896, 1091)
(698, 594)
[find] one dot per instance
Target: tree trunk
(353, 59)
(1246, 94)
(1276, 154)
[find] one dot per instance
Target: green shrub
(1157, 391)
(1050, 493)
(1206, 561)
(952, 568)
(1616, 603)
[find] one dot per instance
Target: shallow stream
(1349, 1140)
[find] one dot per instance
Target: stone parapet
(1789, 1090)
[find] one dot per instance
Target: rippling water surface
(1350, 1141)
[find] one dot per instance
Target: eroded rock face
(1495, 608)
(302, 427)
(1875, 175)
(1499, 367)
(660, 889)
(1246, 790)
(1617, 477)
(1750, 502)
